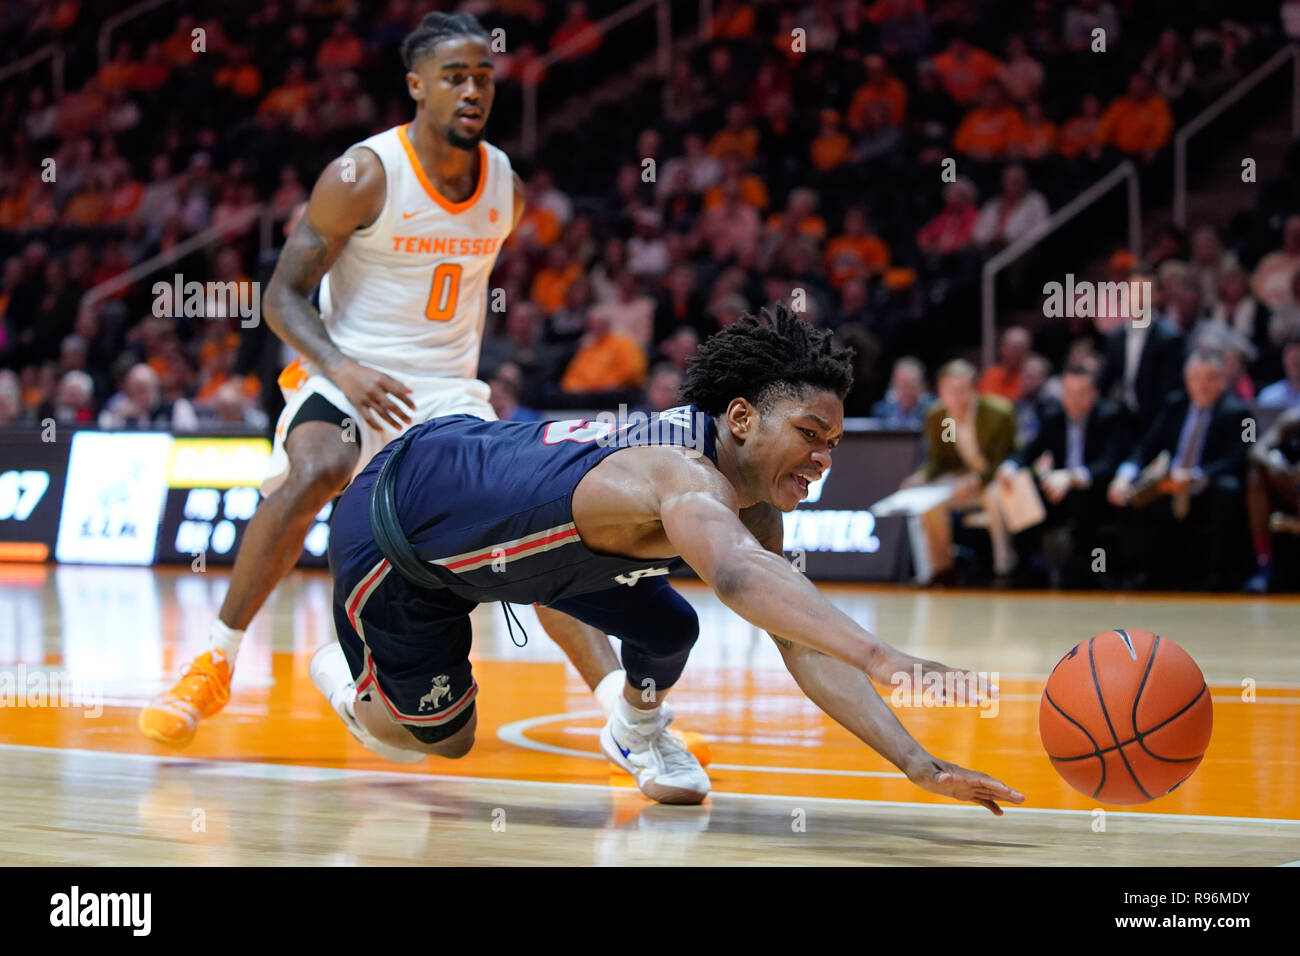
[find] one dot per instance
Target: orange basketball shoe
(173, 717)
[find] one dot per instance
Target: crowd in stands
(860, 175)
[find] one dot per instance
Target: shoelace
(201, 676)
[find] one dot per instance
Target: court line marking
(513, 733)
(271, 771)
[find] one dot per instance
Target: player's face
(790, 444)
(456, 86)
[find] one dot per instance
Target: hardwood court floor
(276, 779)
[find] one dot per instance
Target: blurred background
(907, 173)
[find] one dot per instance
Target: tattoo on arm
(303, 263)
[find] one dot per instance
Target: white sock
(610, 689)
(226, 640)
(634, 715)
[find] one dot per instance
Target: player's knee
(452, 740)
(681, 623)
(319, 477)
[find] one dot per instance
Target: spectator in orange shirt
(989, 131)
(178, 48)
(855, 252)
(605, 360)
(240, 75)
(551, 284)
(964, 70)
(1037, 134)
(342, 50)
(290, 96)
(830, 147)
(1005, 378)
(1079, 134)
(880, 86)
(732, 21)
(151, 73)
(737, 136)
(577, 26)
(1138, 123)
(117, 71)
(750, 188)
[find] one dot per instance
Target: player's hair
(763, 355)
(434, 28)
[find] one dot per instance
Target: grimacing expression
(456, 85)
(788, 445)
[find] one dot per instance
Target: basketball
(1126, 717)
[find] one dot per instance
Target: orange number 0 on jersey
(445, 289)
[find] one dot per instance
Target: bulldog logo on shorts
(441, 688)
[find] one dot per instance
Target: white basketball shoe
(641, 744)
(329, 672)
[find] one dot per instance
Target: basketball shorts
(310, 396)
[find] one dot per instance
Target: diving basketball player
(588, 520)
(401, 234)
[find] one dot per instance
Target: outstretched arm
(848, 697)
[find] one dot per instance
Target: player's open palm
(949, 780)
(378, 397)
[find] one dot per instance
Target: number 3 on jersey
(444, 292)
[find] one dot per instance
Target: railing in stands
(52, 52)
(1215, 109)
(207, 237)
(115, 21)
(663, 15)
(996, 263)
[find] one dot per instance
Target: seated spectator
(1142, 364)
(1036, 138)
(140, 404)
(1083, 19)
(830, 147)
(905, 404)
(506, 384)
(1074, 455)
(989, 130)
(878, 143)
(630, 312)
(11, 399)
(732, 21)
(856, 252)
(1171, 70)
(1208, 262)
(342, 49)
(551, 283)
(290, 96)
(750, 187)
(1079, 135)
(663, 391)
(232, 406)
(880, 87)
(1015, 213)
(729, 229)
(1032, 405)
(73, 401)
(953, 229)
(1284, 393)
(1021, 75)
(606, 360)
(1137, 124)
(964, 70)
(1184, 538)
(579, 30)
(967, 438)
(1273, 493)
(520, 342)
(680, 304)
(738, 136)
(1004, 378)
(1272, 278)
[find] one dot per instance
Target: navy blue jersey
(488, 505)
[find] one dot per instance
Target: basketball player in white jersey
(401, 234)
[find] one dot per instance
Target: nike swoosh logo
(408, 215)
(621, 749)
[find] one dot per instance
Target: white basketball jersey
(408, 294)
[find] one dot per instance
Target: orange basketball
(1126, 717)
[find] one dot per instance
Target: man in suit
(1143, 363)
(1273, 494)
(1189, 536)
(967, 437)
(1079, 445)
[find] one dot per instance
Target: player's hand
(1120, 492)
(949, 780)
(375, 395)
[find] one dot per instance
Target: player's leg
(320, 463)
(657, 628)
(589, 650)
